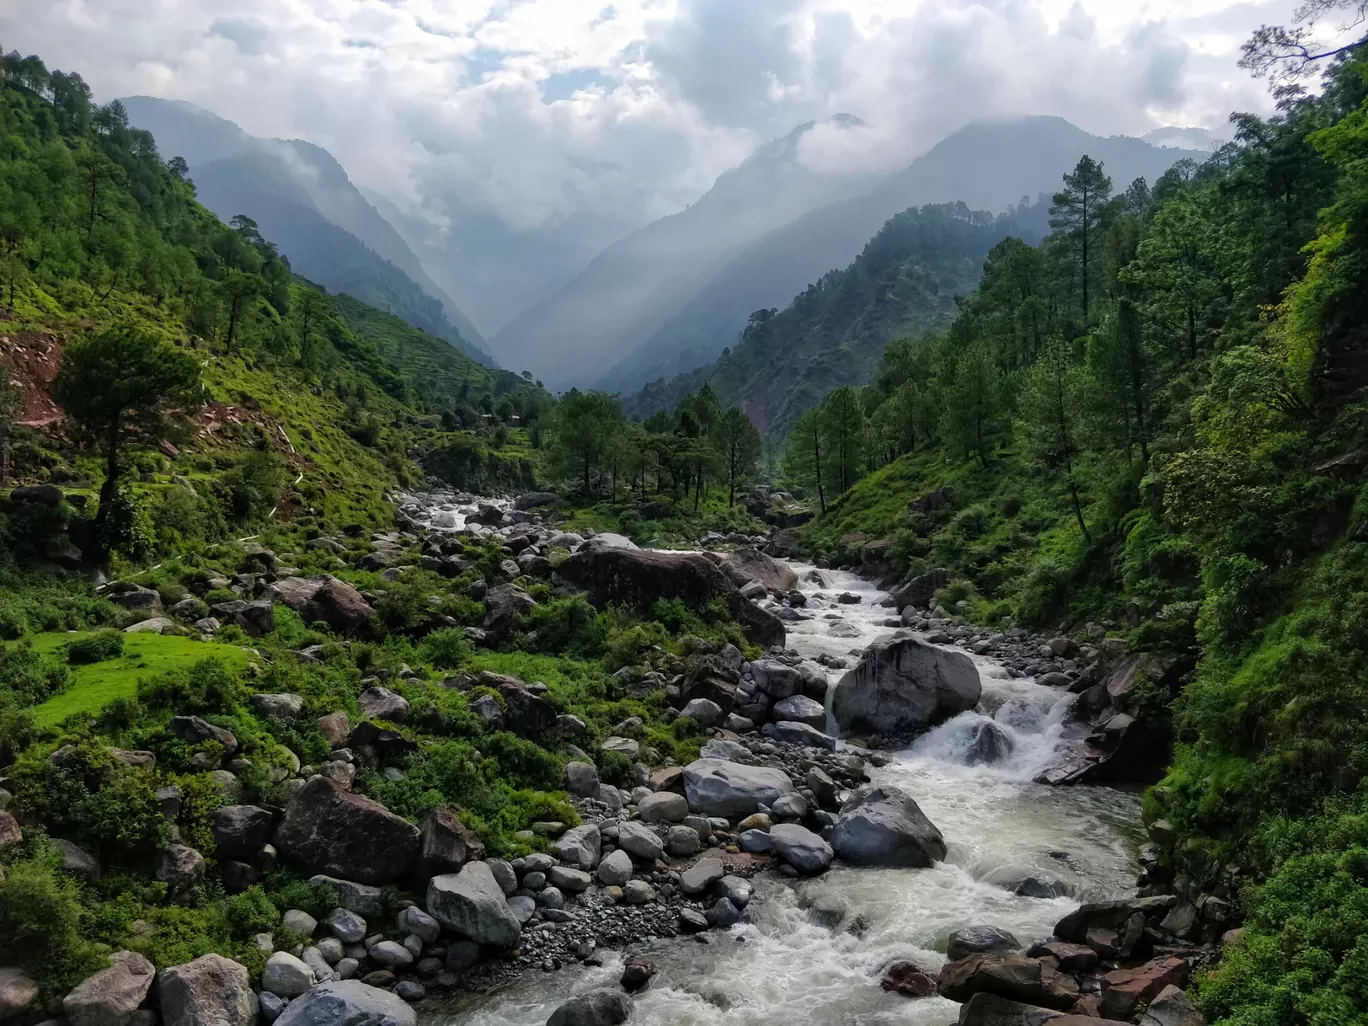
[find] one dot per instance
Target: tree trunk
(817, 466)
(1078, 508)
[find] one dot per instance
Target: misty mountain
(1187, 138)
(303, 201)
(635, 284)
(985, 165)
(903, 284)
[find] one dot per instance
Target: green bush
(40, 921)
(96, 648)
(615, 768)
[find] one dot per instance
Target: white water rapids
(778, 968)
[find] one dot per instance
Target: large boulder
(602, 1007)
(750, 564)
(981, 940)
(1125, 990)
(210, 991)
(985, 1009)
(195, 731)
(445, 844)
(340, 606)
(531, 500)
(17, 991)
(921, 591)
(640, 577)
(112, 995)
(287, 976)
(381, 703)
(524, 712)
(328, 830)
(712, 679)
(1172, 1008)
(1015, 977)
(904, 686)
(504, 607)
(241, 830)
(472, 903)
(800, 848)
(717, 788)
(579, 846)
(883, 826)
(255, 618)
(348, 1003)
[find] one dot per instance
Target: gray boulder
(333, 831)
(17, 992)
(579, 846)
(800, 709)
(980, 940)
(581, 779)
(639, 840)
(348, 1003)
(241, 830)
(663, 807)
(776, 679)
(595, 1008)
(472, 903)
(883, 826)
(904, 686)
(792, 733)
(705, 711)
(282, 706)
(750, 564)
(717, 788)
(1172, 1008)
(111, 996)
(616, 869)
(701, 875)
(800, 848)
(380, 703)
(287, 975)
(210, 991)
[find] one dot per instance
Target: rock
(682, 842)
(383, 704)
(410, 990)
(281, 706)
(663, 807)
(17, 992)
(362, 899)
(623, 746)
(195, 731)
(1124, 990)
(755, 842)
(581, 779)
(776, 679)
(181, 868)
(346, 926)
(638, 892)
(504, 875)
(1172, 1008)
(1011, 976)
(255, 618)
(980, 940)
(691, 920)
(579, 846)
(348, 1003)
(417, 922)
(710, 678)
(43, 494)
(298, 923)
(883, 826)
(717, 788)
(908, 979)
(287, 975)
(640, 841)
(575, 881)
(335, 728)
(112, 995)
(241, 830)
(903, 686)
(210, 991)
(339, 605)
(800, 848)
(472, 903)
(705, 711)
(75, 860)
(152, 625)
(270, 1006)
(800, 734)
(532, 500)
(828, 911)
(594, 1008)
(504, 607)
(1071, 957)
(524, 712)
(639, 578)
(800, 709)
(668, 778)
(616, 869)
(336, 832)
(445, 844)
(391, 955)
(984, 1009)
(1110, 915)
(636, 973)
(989, 744)
(750, 564)
(701, 876)
(921, 591)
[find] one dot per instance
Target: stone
(903, 686)
(339, 605)
(1124, 990)
(504, 606)
(724, 914)
(567, 879)
(381, 703)
(417, 922)
(735, 889)
(828, 911)
(1071, 957)
(286, 975)
(241, 830)
(299, 923)
(823, 788)
(331, 950)
(181, 868)
(800, 848)
(335, 728)
(616, 868)
(883, 826)
(581, 779)
(792, 733)
(270, 1006)
(776, 679)
(714, 787)
(210, 991)
(691, 920)
(682, 842)
(790, 806)
(640, 841)
(579, 846)
(908, 979)
(1111, 915)
(701, 876)
(636, 973)
(445, 844)
(668, 778)
(348, 1003)
(1172, 1008)
(980, 940)
(255, 618)
(391, 955)
(750, 564)
(989, 744)
(472, 903)
(111, 996)
(281, 706)
(523, 907)
(524, 712)
(602, 1007)
(985, 1009)
(705, 711)
(1015, 977)
(755, 842)
(504, 874)
(75, 860)
(346, 926)
(623, 746)
(195, 731)
(801, 709)
(663, 807)
(410, 990)
(333, 831)
(637, 892)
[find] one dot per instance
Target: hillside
(302, 200)
(904, 284)
(629, 289)
(986, 165)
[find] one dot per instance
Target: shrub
(447, 649)
(96, 648)
(40, 919)
(615, 768)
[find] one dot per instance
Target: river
(779, 968)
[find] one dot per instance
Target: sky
(540, 111)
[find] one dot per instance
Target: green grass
(94, 686)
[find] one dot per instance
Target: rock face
(348, 1003)
(745, 565)
(595, 1008)
(638, 578)
(904, 686)
(472, 903)
(210, 991)
(111, 996)
(717, 788)
(883, 826)
(332, 831)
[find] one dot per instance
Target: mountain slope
(904, 283)
(633, 285)
(303, 201)
(986, 165)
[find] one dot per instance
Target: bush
(40, 920)
(616, 769)
(447, 649)
(96, 648)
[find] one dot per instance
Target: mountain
(904, 283)
(635, 284)
(1186, 138)
(987, 165)
(303, 201)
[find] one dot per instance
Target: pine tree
(1076, 216)
(738, 443)
(1050, 410)
(803, 456)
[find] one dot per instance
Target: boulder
(532, 500)
(383, 704)
(76, 860)
(988, 744)
(980, 940)
(524, 713)
(800, 848)
(800, 709)
(985, 1009)
(42, 494)
(579, 846)
(17, 992)
(195, 731)
(1029, 980)
(210, 991)
(750, 564)
(335, 728)
(472, 903)
(712, 679)
(445, 844)
(904, 686)
(883, 826)
(717, 788)
(639, 578)
(255, 618)
(340, 606)
(1125, 990)
(112, 995)
(581, 779)
(348, 1003)
(1111, 915)
(791, 733)
(360, 898)
(504, 606)
(333, 831)
(287, 976)
(1172, 1008)
(704, 710)
(241, 830)
(602, 1007)
(181, 868)
(921, 591)
(616, 869)
(663, 807)
(640, 841)
(281, 706)
(776, 679)
(699, 877)
(908, 979)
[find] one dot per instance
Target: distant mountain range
(304, 202)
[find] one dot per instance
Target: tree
(118, 385)
(739, 444)
(845, 426)
(1122, 370)
(1076, 214)
(971, 421)
(11, 405)
(1050, 408)
(1176, 267)
(1286, 54)
(585, 425)
(803, 457)
(239, 290)
(314, 309)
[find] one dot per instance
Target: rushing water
(1000, 827)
